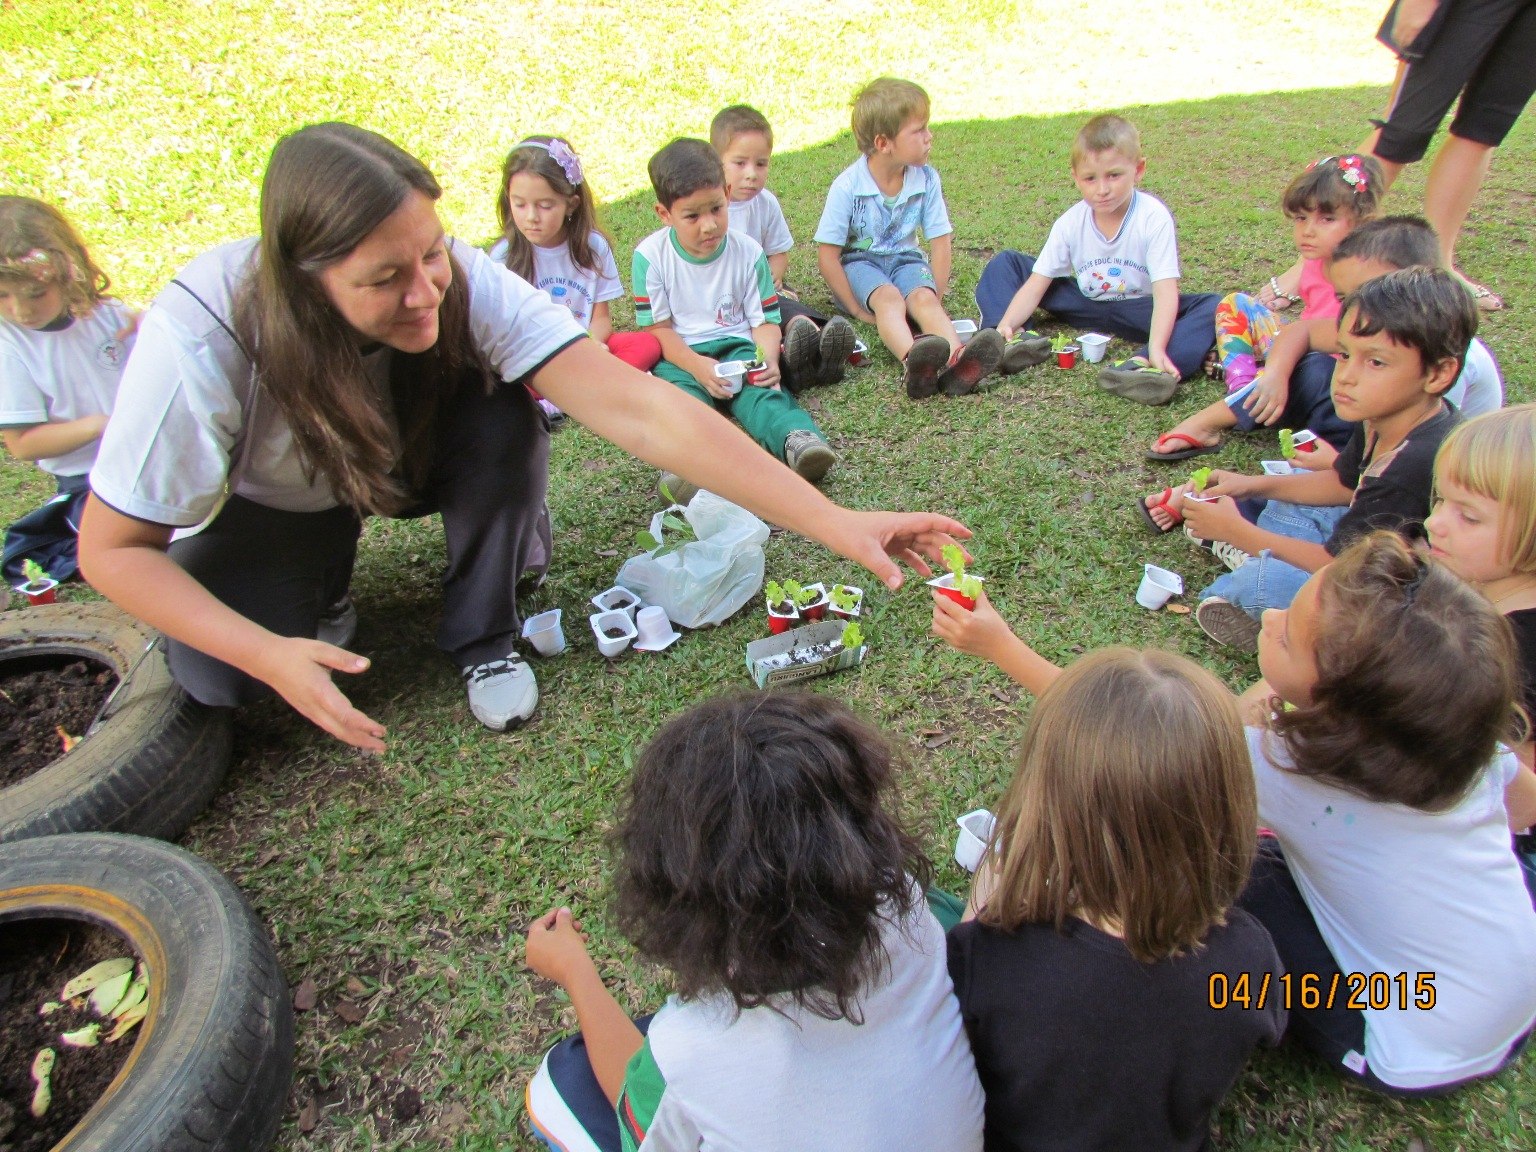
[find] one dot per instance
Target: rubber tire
(150, 767)
(213, 1063)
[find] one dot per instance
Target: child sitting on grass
(706, 292)
(816, 349)
(63, 346)
(1111, 262)
(1389, 886)
(813, 1006)
(868, 252)
(1402, 338)
(1483, 526)
(1104, 913)
(1294, 389)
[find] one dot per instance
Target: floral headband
(562, 154)
(39, 264)
(1351, 170)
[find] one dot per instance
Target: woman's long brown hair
(326, 188)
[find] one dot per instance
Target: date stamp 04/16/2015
(1356, 991)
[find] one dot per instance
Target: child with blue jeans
(708, 295)
(1402, 338)
(1110, 263)
(867, 244)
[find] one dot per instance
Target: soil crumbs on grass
(40, 706)
(40, 957)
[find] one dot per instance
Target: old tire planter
(213, 1063)
(149, 766)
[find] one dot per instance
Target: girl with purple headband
(552, 239)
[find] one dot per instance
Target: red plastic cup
(778, 624)
(1304, 441)
(43, 592)
(945, 586)
(1067, 357)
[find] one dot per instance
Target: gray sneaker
(338, 623)
(1135, 379)
(502, 693)
(808, 455)
(1226, 623)
(1025, 350)
(675, 490)
(836, 345)
(802, 343)
(928, 356)
(977, 360)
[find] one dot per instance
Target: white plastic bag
(709, 579)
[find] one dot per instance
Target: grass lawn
(401, 885)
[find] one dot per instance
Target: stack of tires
(82, 839)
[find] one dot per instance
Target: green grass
(403, 883)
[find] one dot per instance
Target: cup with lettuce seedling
(957, 584)
(38, 587)
(783, 612)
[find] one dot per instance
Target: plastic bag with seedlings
(707, 580)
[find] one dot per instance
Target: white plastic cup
(1093, 345)
(1277, 467)
(971, 844)
(653, 625)
(731, 374)
(859, 354)
(617, 599)
(544, 633)
(601, 622)
(1158, 586)
(965, 329)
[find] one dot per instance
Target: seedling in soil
(34, 572)
(42, 1070)
(1062, 341)
(853, 637)
(784, 598)
(811, 599)
(845, 600)
(86, 1037)
(954, 560)
(95, 975)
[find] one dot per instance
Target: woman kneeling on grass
(353, 361)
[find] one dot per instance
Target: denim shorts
(908, 270)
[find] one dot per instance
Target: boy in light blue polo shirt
(867, 244)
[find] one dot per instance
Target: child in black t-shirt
(1104, 931)
(1402, 339)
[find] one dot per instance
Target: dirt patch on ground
(37, 958)
(45, 704)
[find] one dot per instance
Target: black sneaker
(801, 344)
(928, 356)
(978, 360)
(837, 341)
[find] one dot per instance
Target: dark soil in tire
(37, 957)
(41, 700)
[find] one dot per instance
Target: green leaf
(1287, 443)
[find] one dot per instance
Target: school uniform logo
(728, 312)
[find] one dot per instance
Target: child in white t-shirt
(552, 239)
(816, 347)
(1389, 886)
(1111, 262)
(813, 1007)
(63, 344)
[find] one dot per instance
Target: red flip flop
(1195, 447)
(1163, 501)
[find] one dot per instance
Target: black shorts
(1484, 51)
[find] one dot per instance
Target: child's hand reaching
(557, 947)
(1266, 403)
(979, 632)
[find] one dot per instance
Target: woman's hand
(979, 631)
(299, 671)
(872, 538)
(557, 947)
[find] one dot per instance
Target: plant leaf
(96, 974)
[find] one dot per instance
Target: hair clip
(1351, 170)
(36, 264)
(562, 154)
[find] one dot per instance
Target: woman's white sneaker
(502, 693)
